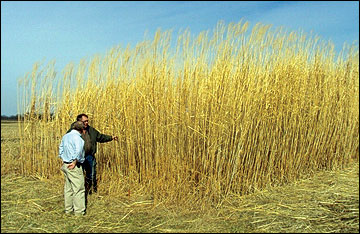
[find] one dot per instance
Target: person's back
(71, 144)
(91, 136)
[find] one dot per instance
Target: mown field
(326, 201)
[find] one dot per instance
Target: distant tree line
(15, 117)
(11, 117)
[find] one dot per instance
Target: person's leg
(78, 187)
(94, 180)
(68, 192)
(87, 165)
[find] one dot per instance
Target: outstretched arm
(102, 137)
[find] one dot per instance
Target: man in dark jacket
(91, 137)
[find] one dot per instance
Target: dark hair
(78, 125)
(78, 118)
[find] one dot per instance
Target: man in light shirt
(71, 151)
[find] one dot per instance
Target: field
(201, 117)
(238, 129)
(326, 201)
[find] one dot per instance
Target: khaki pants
(74, 190)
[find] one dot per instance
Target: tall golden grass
(227, 111)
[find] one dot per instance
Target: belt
(77, 164)
(71, 162)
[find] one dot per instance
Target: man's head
(83, 118)
(79, 126)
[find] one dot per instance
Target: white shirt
(72, 147)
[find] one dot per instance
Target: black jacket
(94, 137)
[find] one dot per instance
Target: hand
(115, 138)
(72, 165)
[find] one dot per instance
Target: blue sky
(69, 31)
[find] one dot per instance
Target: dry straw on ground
(226, 112)
(325, 203)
